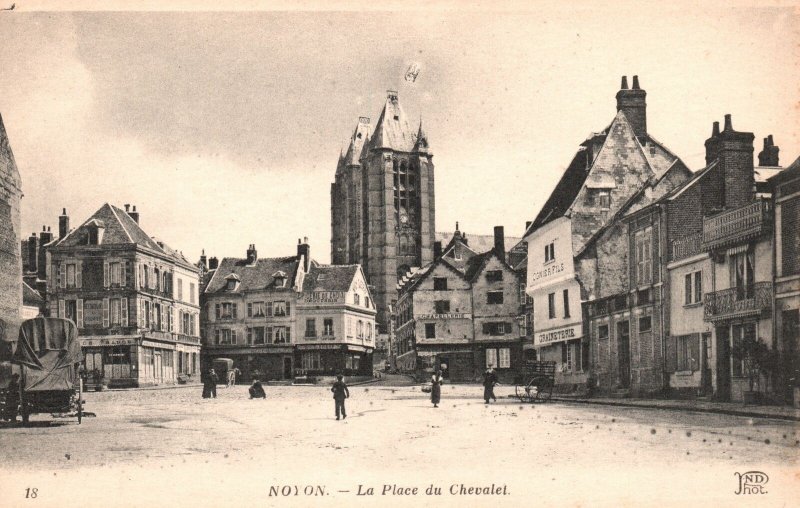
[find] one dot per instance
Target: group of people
(489, 382)
(211, 379)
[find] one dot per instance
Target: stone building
(10, 237)
(577, 249)
(134, 299)
(462, 313)
(281, 317)
(382, 203)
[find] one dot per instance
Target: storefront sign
(324, 297)
(444, 316)
(108, 342)
(159, 345)
(546, 272)
(358, 349)
(317, 347)
(93, 313)
(559, 335)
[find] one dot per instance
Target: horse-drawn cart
(535, 382)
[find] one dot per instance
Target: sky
(224, 128)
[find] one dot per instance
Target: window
(685, 360)
(491, 358)
(180, 289)
(191, 292)
(116, 311)
(739, 334)
(602, 332)
(327, 327)
(349, 326)
(280, 308)
(226, 336)
(356, 299)
(231, 285)
(71, 268)
(366, 302)
(115, 273)
(494, 275)
(256, 309)
(360, 329)
(504, 358)
(742, 274)
(497, 328)
(156, 279)
(165, 282)
(186, 323)
(693, 288)
(311, 328)
(258, 335)
(566, 303)
(369, 331)
(228, 311)
(440, 283)
(549, 252)
(310, 360)
(566, 355)
(790, 224)
(71, 310)
(494, 297)
(599, 197)
(551, 305)
(441, 306)
(645, 324)
(430, 330)
(281, 335)
(643, 242)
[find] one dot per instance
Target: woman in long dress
(436, 388)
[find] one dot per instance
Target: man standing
(489, 380)
(210, 385)
(340, 392)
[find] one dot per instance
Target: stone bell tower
(10, 255)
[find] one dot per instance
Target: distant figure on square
(210, 385)
(436, 387)
(489, 380)
(340, 392)
(12, 399)
(232, 377)
(256, 390)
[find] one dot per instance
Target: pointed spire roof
(357, 142)
(392, 130)
(421, 144)
(8, 165)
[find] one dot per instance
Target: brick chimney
(213, 263)
(437, 250)
(632, 103)
(304, 250)
(45, 237)
(32, 252)
(63, 223)
(769, 155)
(252, 254)
(712, 145)
(500, 242)
(204, 260)
(735, 155)
(133, 213)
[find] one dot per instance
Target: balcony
(737, 226)
(738, 302)
(687, 246)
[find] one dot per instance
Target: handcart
(535, 382)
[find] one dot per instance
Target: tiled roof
(253, 277)
(392, 129)
(330, 278)
(30, 296)
(360, 135)
(477, 243)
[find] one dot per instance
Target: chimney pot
(635, 83)
(500, 241)
(44, 228)
(127, 207)
(715, 129)
(624, 84)
(728, 123)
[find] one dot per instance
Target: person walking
(489, 380)
(340, 392)
(256, 390)
(436, 387)
(210, 385)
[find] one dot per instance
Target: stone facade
(10, 237)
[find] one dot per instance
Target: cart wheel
(538, 388)
(521, 393)
(545, 389)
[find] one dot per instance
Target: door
(158, 375)
(723, 364)
(624, 353)
(705, 365)
(287, 367)
(790, 340)
(93, 363)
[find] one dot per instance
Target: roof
(791, 171)
(330, 277)
(119, 229)
(256, 276)
(360, 135)
(476, 243)
(392, 129)
(30, 296)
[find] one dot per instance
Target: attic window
(358, 135)
(396, 117)
(600, 197)
(280, 279)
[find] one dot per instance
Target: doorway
(723, 364)
(624, 353)
(287, 367)
(157, 364)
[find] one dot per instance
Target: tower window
(396, 117)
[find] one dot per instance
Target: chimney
(632, 103)
(32, 252)
(735, 155)
(437, 250)
(499, 242)
(304, 250)
(213, 263)
(203, 260)
(252, 255)
(63, 223)
(712, 145)
(134, 214)
(45, 237)
(769, 155)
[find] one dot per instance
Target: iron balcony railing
(738, 302)
(736, 226)
(687, 246)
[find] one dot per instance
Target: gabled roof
(357, 140)
(330, 277)
(393, 130)
(253, 277)
(30, 296)
(477, 264)
(791, 171)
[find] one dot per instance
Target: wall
(10, 259)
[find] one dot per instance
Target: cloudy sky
(224, 128)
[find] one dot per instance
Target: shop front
(565, 347)
(263, 363)
(332, 359)
(456, 363)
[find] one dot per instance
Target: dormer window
(280, 279)
(232, 282)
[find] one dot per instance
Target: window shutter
(233, 336)
(507, 327)
(288, 332)
(170, 318)
(269, 308)
(78, 274)
(105, 274)
(694, 352)
(249, 310)
(79, 317)
(269, 335)
(672, 353)
(124, 312)
(249, 335)
(61, 309)
(217, 310)
(105, 312)
(234, 311)
(564, 352)
(216, 336)
(486, 328)
(62, 276)
(123, 276)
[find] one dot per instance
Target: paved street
(170, 443)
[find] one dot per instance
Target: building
(10, 237)
(614, 172)
(33, 304)
(462, 313)
(281, 317)
(786, 203)
(382, 203)
(134, 299)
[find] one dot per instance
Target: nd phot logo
(751, 482)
